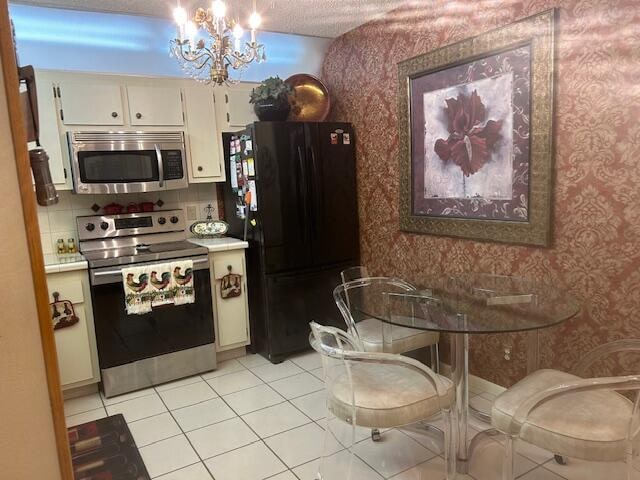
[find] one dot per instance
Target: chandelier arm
(200, 66)
(195, 65)
(194, 58)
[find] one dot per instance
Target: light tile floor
(251, 420)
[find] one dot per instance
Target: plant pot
(272, 109)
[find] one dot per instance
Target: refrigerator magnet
(232, 168)
(254, 197)
(346, 139)
(251, 167)
(245, 168)
(248, 146)
(334, 139)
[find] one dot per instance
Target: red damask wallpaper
(596, 226)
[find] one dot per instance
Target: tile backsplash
(59, 220)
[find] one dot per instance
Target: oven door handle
(160, 165)
(117, 274)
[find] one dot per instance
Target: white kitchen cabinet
(50, 137)
(232, 314)
(75, 344)
(203, 136)
(238, 112)
(74, 101)
(89, 102)
(155, 105)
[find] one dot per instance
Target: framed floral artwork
(476, 136)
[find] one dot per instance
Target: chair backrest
(354, 273)
(360, 299)
(416, 308)
(350, 274)
(609, 349)
(332, 343)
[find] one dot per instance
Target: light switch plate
(192, 213)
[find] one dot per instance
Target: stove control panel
(129, 224)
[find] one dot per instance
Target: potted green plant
(271, 99)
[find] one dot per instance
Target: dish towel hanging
(160, 278)
(138, 295)
(183, 282)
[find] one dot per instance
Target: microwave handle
(160, 165)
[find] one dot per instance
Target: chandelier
(208, 61)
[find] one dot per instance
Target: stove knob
(104, 225)
(174, 219)
(162, 220)
(90, 227)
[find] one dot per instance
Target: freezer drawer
(294, 300)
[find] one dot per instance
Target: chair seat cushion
(404, 339)
(386, 396)
(590, 425)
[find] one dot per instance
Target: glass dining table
(463, 305)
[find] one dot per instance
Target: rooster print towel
(138, 293)
(161, 284)
(183, 282)
(150, 286)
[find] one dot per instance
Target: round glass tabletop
(464, 303)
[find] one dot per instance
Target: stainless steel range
(169, 342)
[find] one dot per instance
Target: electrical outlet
(507, 352)
(192, 213)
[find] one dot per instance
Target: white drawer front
(68, 288)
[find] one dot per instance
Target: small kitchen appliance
(127, 162)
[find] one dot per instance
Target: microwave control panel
(172, 163)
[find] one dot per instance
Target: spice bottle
(62, 248)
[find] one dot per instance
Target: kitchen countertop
(64, 263)
(220, 244)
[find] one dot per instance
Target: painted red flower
(470, 141)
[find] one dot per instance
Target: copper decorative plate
(311, 101)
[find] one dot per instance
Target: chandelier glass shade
(209, 59)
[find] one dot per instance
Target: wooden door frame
(19, 137)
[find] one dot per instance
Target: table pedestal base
(460, 376)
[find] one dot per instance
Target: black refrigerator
(291, 193)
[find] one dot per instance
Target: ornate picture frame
(476, 136)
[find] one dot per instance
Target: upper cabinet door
(88, 103)
(202, 134)
(239, 111)
(155, 105)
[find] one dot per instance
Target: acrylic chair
(376, 390)
(369, 330)
(577, 417)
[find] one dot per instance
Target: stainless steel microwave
(127, 162)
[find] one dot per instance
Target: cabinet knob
(138, 115)
(114, 114)
(200, 168)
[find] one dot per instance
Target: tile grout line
(178, 469)
(260, 439)
(187, 438)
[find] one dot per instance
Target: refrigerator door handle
(317, 193)
(302, 192)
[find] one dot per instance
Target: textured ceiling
(322, 18)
